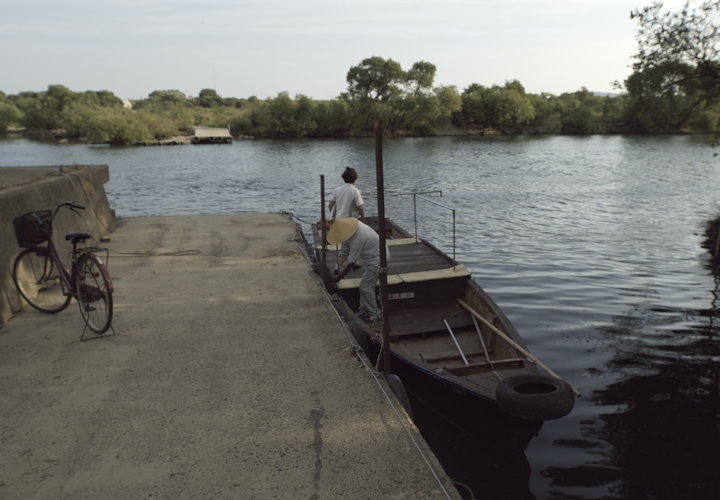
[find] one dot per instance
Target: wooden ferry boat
(450, 344)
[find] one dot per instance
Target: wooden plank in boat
(476, 368)
(415, 257)
(450, 356)
(427, 319)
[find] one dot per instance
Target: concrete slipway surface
(229, 376)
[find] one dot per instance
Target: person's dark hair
(349, 175)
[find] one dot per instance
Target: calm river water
(591, 245)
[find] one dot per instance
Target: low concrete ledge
(25, 189)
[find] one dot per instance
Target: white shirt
(347, 200)
(365, 246)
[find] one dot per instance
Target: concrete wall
(25, 189)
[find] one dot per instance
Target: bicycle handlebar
(71, 205)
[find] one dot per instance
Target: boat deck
(410, 260)
(423, 320)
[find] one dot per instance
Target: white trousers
(368, 297)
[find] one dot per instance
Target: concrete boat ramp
(228, 376)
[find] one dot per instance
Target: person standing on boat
(347, 200)
(363, 244)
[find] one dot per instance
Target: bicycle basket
(33, 228)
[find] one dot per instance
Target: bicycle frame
(69, 276)
(66, 275)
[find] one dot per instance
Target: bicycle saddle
(77, 237)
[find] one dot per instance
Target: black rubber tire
(94, 294)
(535, 397)
(38, 280)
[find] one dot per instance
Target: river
(591, 245)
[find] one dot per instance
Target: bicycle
(44, 280)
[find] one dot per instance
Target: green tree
(677, 70)
(209, 98)
(683, 45)
(505, 109)
(419, 79)
(372, 84)
(101, 98)
(332, 119)
(375, 79)
(304, 116)
(43, 110)
(168, 96)
(651, 108)
(416, 110)
(9, 115)
(405, 102)
(549, 111)
(582, 113)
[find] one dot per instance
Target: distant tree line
(674, 88)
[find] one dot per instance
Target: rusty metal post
(323, 231)
(383, 254)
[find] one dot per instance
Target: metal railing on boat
(419, 194)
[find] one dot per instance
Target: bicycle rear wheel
(38, 280)
(94, 293)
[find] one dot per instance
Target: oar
(513, 343)
(485, 350)
(457, 344)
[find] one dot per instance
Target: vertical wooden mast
(383, 254)
(322, 217)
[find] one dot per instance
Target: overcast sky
(244, 48)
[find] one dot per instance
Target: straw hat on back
(342, 230)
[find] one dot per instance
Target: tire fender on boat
(535, 397)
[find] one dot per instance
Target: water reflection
(663, 433)
(486, 462)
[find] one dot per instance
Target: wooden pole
(382, 275)
(323, 231)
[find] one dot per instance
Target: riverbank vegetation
(674, 88)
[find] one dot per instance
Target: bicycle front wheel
(94, 293)
(37, 278)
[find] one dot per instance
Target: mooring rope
(402, 422)
(178, 253)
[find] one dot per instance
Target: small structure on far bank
(211, 135)
(201, 135)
